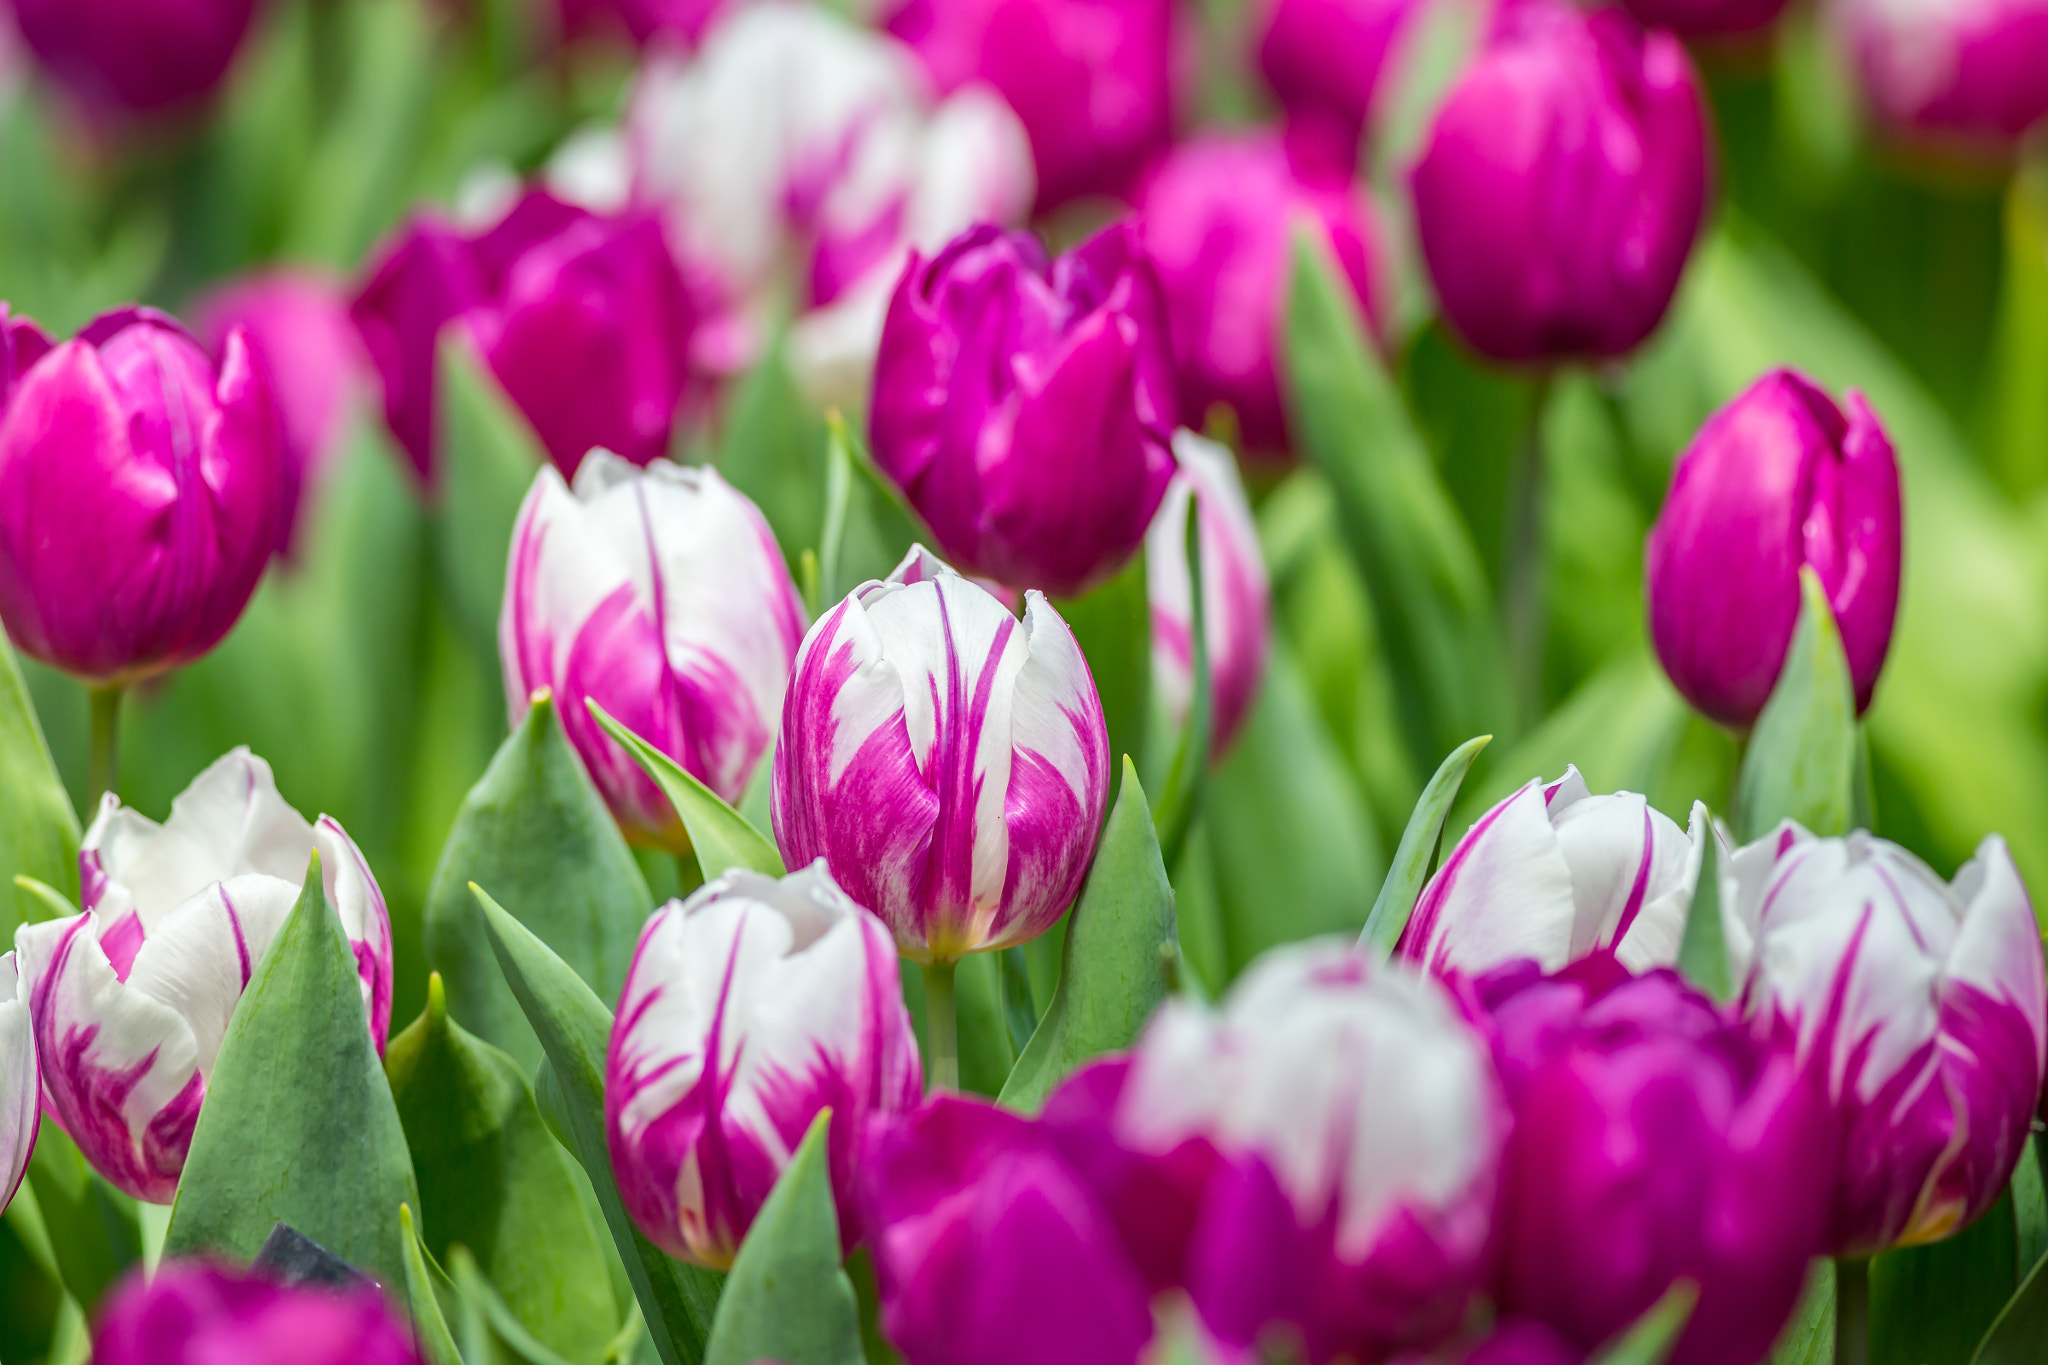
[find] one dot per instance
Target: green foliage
(720, 835)
(1801, 760)
(1113, 626)
(868, 527)
(38, 829)
(488, 459)
(773, 450)
(94, 1230)
(1418, 852)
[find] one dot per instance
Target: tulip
(1707, 18)
(1519, 1341)
(20, 1082)
(584, 319)
(193, 1313)
(1950, 71)
(1778, 480)
(1921, 1005)
(747, 1010)
(660, 594)
(1327, 59)
(139, 495)
(1562, 184)
(1026, 406)
(646, 22)
(140, 57)
(948, 762)
(1220, 216)
(131, 999)
(1234, 597)
(1554, 874)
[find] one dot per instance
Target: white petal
(1505, 892)
(1624, 856)
(561, 568)
(1056, 713)
(1658, 933)
(1998, 948)
(200, 959)
(974, 167)
(20, 1082)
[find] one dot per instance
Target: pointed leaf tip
(1420, 843)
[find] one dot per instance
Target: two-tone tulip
(139, 494)
(131, 999)
(21, 1081)
(136, 56)
(1778, 480)
(659, 594)
(1952, 71)
(1562, 184)
(748, 1009)
(1553, 874)
(948, 761)
(1921, 1005)
(1026, 405)
(198, 1313)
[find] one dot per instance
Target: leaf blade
(1801, 759)
(720, 835)
(1418, 848)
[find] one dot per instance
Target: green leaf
(1703, 951)
(2030, 1207)
(94, 1230)
(488, 459)
(574, 1029)
(1113, 626)
(1931, 1305)
(1120, 953)
(425, 1290)
(1650, 1339)
(2019, 1335)
(299, 1125)
(1809, 1339)
(1180, 796)
(773, 450)
(38, 829)
(1801, 760)
(536, 832)
(2019, 401)
(868, 526)
(491, 1335)
(493, 1179)
(1418, 851)
(788, 1299)
(720, 835)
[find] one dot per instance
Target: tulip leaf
(788, 1298)
(2019, 1335)
(426, 1289)
(490, 1332)
(298, 1126)
(773, 450)
(1809, 1339)
(720, 835)
(488, 458)
(38, 829)
(1113, 625)
(2030, 1207)
(1420, 842)
(574, 1028)
(1703, 951)
(868, 526)
(1801, 759)
(1180, 796)
(536, 832)
(1120, 956)
(1649, 1340)
(493, 1179)
(1932, 1304)
(94, 1230)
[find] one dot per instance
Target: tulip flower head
(660, 594)
(194, 1313)
(947, 760)
(143, 57)
(1922, 1006)
(131, 999)
(139, 494)
(1965, 72)
(1326, 61)
(748, 1009)
(1026, 405)
(1778, 480)
(20, 1081)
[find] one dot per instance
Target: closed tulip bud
(1921, 1005)
(139, 495)
(194, 1313)
(659, 594)
(1220, 214)
(1026, 406)
(1562, 184)
(20, 1082)
(748, 1009)
(1952, 71)
(1554, 874)
(140, 58)
(131, 999)
(948, 761)
(1326, 59)
(1778, 480)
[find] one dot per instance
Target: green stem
(1522, 597)
(103, 767)
(942, 1028)
(1852, 1311)
(689, 874)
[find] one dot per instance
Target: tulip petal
(1504, 892)
(20, 1081)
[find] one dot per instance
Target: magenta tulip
(1707, 18)
(193, 1313)
(140, 56)
(1327, 61)
(1963, 71)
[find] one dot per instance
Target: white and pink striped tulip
(661, 594)
(1554, 873)
(1924, 1005)
(747, 1009)
(20, 1082)
(131, 999)
(947, 760)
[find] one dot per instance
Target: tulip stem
(103, 767)
(1852, 1311)
(942, 1027)
(1522, 596)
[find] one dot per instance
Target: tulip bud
(1777, 480)
(949, 762)
(1026, 406)
(20, 1082)
(1234, 599)
(748, 1009)
(193, 1313)
(1952, 71)
(131, 999)
(1922, 1007)
(139, 57)
(1220, 213)
(660, 594)
(139, 495)
(1325, 59)
(1554, 874)
(1562, 184)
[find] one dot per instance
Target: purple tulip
(1234, 590)
(748, 1009)
(1220, 215)
(1326, 59)
(193, 1313)
(1520, 1341)
(142, 57)
(647, 22)
(139, 494)
(1562, 184)
(949, 762)
(1777, 480)
(584, 319)
(1921, 1005)
(659, 593)
(131, 999)
(20, 1082)
(1707, 18)
(1969, 73)
(1554, 874)
(1026, 406)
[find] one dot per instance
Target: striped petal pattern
(20, 1081)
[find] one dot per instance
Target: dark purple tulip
(1325, 59)
(141, 56)
(139, 494)
(1562, 185)
(193, 1313)
(1707, 18)
(1779, 479)
(1026, 405)
(1971, 73)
